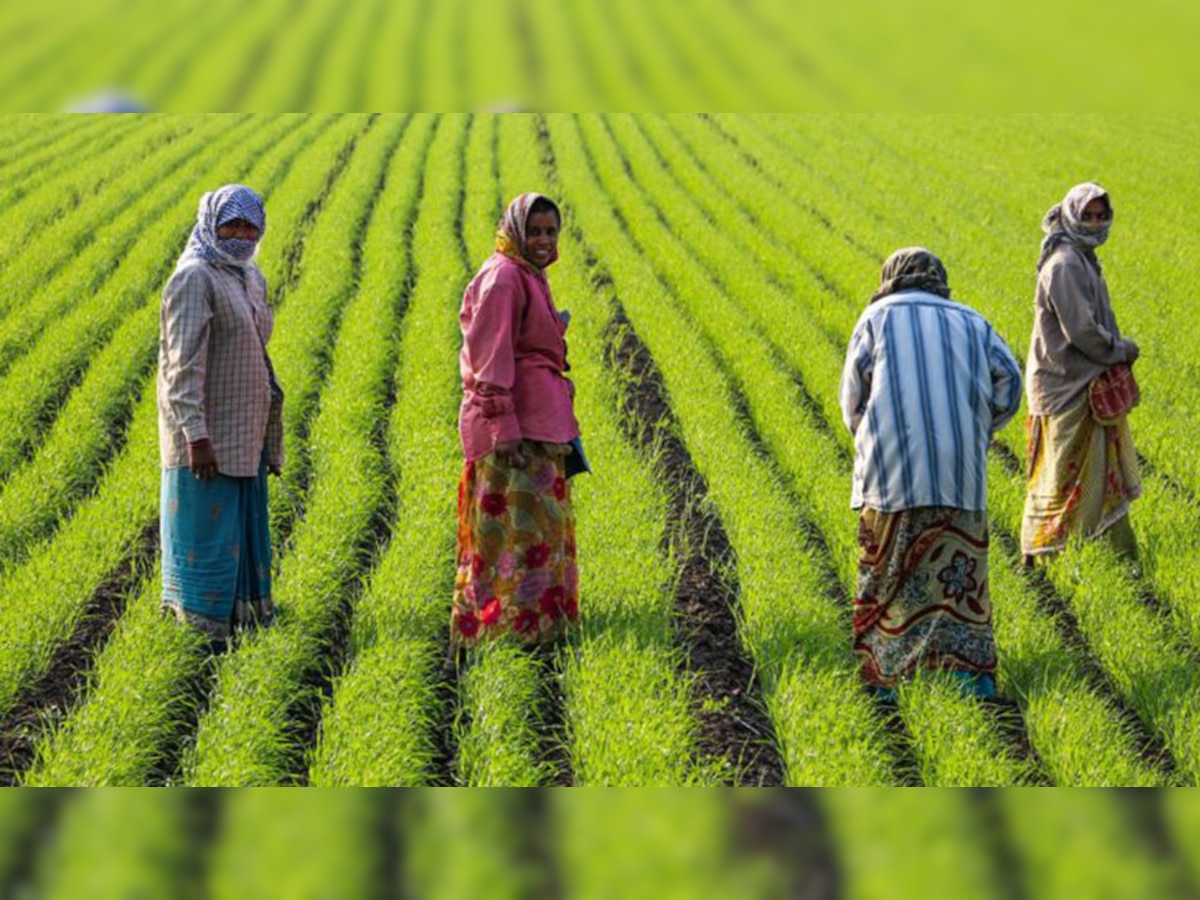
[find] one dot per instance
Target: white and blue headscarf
(233, 201)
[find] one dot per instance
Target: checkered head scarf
(510, 234)
(233, 201)
(912, 268)
(1062, 224)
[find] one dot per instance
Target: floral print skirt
(1082, 478)
(517, 572)
(923, 596)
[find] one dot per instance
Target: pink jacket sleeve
(491, 341)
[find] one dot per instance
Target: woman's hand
(202, 459)
(1132, 352)
(509, 454)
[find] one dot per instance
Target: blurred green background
(664, 844)
(357, 55)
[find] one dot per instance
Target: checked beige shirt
(214, 378)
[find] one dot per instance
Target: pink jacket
(512, 361)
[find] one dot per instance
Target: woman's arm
(186, 320)
(1073, 304)
(490, 339)
(275, 457)
(855, 388)
(1006, 381)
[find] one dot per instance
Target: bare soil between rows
(734, 725)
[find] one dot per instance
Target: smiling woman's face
(239, 229)
(541, 238)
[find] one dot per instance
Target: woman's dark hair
(545, 204)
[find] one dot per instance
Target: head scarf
(233, 201)
(510, 234)
(912, 268)
(1062, 224)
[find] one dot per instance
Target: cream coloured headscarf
(1063, 223)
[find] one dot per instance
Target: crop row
(27, 136)
(378, 725)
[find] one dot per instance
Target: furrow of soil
(728, 695)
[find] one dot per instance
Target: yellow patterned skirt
(1082, 478)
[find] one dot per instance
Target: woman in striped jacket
(926, 384)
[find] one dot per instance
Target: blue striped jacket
(926, 384)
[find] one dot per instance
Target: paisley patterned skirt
(923, 598)
(517, 572)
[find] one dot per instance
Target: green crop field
(714, 266)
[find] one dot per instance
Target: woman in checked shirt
(219, 420)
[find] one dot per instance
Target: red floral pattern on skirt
(517, 571)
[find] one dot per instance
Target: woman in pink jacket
(516, 531)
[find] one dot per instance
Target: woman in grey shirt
(1082, 474)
